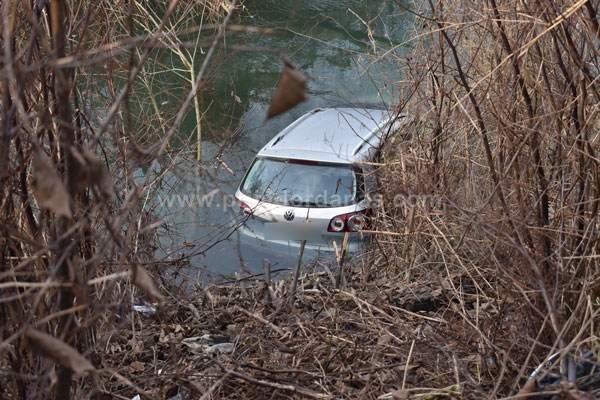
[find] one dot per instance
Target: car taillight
(245, 209)
(357, 222)
(337, 224)
(351, 222)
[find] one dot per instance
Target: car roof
(338, 135)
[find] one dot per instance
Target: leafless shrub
(504, 97)
(75, 241)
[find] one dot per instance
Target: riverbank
(381, 332)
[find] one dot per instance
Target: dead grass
(432, 333)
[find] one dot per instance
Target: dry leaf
(59, 351)
(530, 387)
(137, 346)
(142, 279)
(384, 340)
(92, 171)
(400, 394)
(227, 6)
(290, 90)
(49, 190)
(136, 366)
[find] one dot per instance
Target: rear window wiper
(303, 203)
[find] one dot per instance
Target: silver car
(310, 182)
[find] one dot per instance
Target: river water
(339, 45)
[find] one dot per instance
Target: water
(328, 40)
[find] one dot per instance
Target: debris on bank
(377, 337)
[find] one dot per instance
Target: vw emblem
(289, 215)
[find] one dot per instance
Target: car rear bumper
(324, 242)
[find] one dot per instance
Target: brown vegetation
(487, 266)
(505, 99)
(74, 235)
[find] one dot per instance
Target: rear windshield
(302, 184)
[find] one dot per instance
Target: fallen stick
(214, 387)
(260, 319)
(288, 387)
(388, 316)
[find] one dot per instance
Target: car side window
(360, 184)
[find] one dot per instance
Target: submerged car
(310, 182)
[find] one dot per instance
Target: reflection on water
(336, 44)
